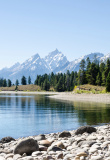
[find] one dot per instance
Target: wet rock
(84, 129)
(65, 134)
(26, 146)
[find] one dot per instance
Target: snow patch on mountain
(55, 62)
(55, 59)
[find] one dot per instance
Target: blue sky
(75, 27)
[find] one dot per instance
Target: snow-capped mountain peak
(55, 59)
(55, 62)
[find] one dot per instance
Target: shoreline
(68, 96)
(67, 145)
(86, 146)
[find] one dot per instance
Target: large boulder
(26, 146)
(84, 129)
(7, 139)
(65, 134)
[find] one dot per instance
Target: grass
(89, 89)
(26, 88)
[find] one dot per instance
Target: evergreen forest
(93, 73)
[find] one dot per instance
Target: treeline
(5, 83)
(8, 83)
(93, 73)
(58, 82)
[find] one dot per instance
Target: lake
(25, 115)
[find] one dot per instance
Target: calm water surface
(22, 115)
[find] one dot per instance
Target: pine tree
(17, 82)
(108, 83)
(68, 80)
(52, 77)
(29, 80)
(102, 67)
(103, 79)
(98, 79)
(60, 85)
(4, 83)
(107, 68)
(46, 85)
(23, 80)
(9, 83)
(81, 74)
(92, 73)
(1, 82)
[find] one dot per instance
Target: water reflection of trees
(92, 113)
(39, 105)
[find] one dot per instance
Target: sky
(74, 27)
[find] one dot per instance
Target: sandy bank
(69, 96)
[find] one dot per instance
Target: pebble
(64, 146)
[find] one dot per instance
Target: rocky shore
(85, 143)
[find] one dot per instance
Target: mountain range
(55, 62)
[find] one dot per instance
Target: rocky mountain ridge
(54, 62)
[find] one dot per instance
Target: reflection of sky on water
(32, 115)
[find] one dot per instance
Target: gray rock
(84, 129)
(2, 158)
(45, 143)
(42, 148)
(96, 158)
(36, 153)
(89, 143)
(59, 144)
(7, 139)
(16, 156)
(26, 146)
(65, 134)
(49, 158)
(54, 148)
(40, 137)
(60, 156)
(9, 155)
